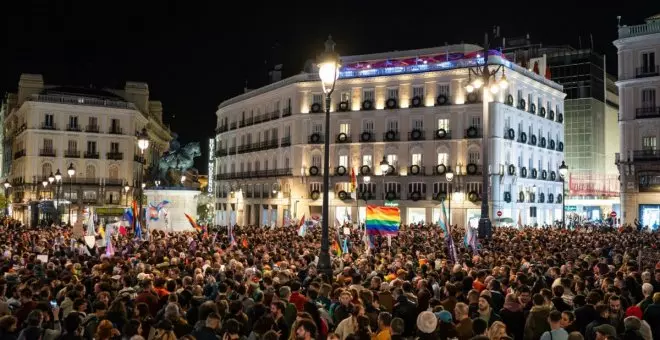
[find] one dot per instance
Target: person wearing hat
(446, 328)
(485, 310)
(426, 325)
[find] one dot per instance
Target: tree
(205, 207)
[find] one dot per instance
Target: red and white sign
(613, 214)
(499, 213)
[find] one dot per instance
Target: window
(418, 91)
(345, 128)
(91, 147)
(286, 163)
(369, 94)
(393, 93)
(317, 128)
(73, 122)
(315, 186)
(648, 98)
(393, 186)
(316, 161)
(443, 124)
(343, 161)
(476, 122)
(367, 187)
(273, 134)
(367, 160)
(507, 123)
(49, 120)
(368, 126)
(392, 159)
(443, 158)
(266, 165)
(345, 97)
(418, 123)
(90, 171)
(473, 157)
(417, 186)
(241, 167)
(115, 125)
(393, 125)
(93, 121)
(648, 62)
(46, 169)
(317, 98)
(72, 145)
(443, 89)
(649, 143)
(287, 131)
(114, 147)
(416, 159)
(440, 187)
(48, 144)
(113, 172)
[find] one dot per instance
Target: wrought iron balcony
(72, 153)
(646, 155)
(91, 154)
(75, 127)
(117, 156)
(116, 130)
(92, 128)
(47, 153)
(648, 71)
(647, 112)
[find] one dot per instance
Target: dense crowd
(263, 284)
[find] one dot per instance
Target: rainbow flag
(193, 223)
(383, 220)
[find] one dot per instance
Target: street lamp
(449, 176)
(7, 186)
(384, 167)
(45, 184)
(328, 72)
(126, 188)
(71, 171)
(58, 178)
(143, 144)
(563, 171)
(483, 74)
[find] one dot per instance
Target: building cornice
(638, 81)
(460, 65)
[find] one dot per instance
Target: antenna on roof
(618, 19)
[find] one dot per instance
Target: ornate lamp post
(126, 188)
(7, 186)
(143, 144)
(449, 176)
(328, 72)
(482, 78)
(58, 187)
(563, 171)
(384, 167)
(71, 171)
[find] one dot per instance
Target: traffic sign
(613, 214)
(499, 213)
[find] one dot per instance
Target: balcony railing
(649, 71)
(76, 100)
(647, 112)
(442, 135)
(391, 136)
(416, 135)
(286, 141)
(286, 112)
(18, 154)
(473, 132)
(646, 155)
(117, 156)
(46, 126)
(92, 128)
(343, 138)
(416, 170)
(47, 152)
(91, 155)
(75, 127)
(255, 174)
(72, 153)
(115, 130)
(221, 152)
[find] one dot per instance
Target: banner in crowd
(382, 220)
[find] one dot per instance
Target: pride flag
(193, 223)
(383, 220)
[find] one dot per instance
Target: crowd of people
(259, 283)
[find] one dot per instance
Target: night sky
(195, 54)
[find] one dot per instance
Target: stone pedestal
(174, 204)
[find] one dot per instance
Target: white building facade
(639, 121)
(50, 128)
(417, 117)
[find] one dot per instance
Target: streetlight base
(324, 266)
(485, 228)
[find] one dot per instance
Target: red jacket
(298, 300)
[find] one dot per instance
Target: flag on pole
(353, 180)
(451, 247)
(302, 228)
(383, 220)
(138, 230)
(232, 240)
(193, 223)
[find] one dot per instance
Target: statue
(175, 162)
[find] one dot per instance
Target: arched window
(113, 172)
(46, 169)
(90, 171)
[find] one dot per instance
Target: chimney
(28, 85)
(276, 74)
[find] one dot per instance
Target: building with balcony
(639, 121)
(590, 126)
(409, 109)
(48, 128)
